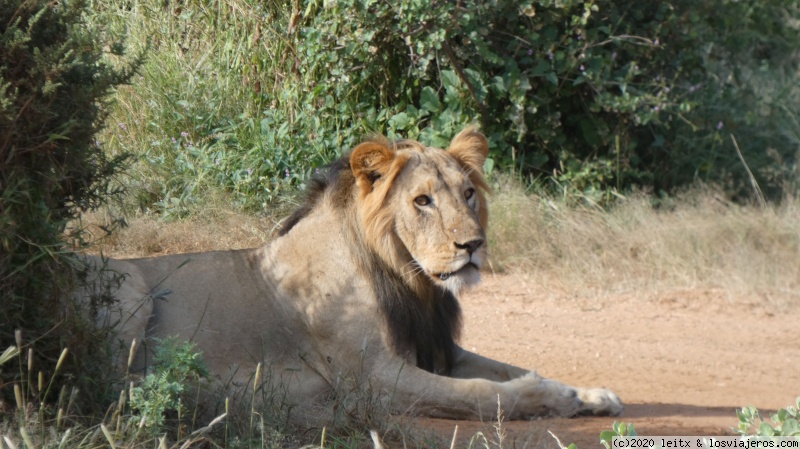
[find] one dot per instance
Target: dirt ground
(682, 362)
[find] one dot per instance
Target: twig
(453, 441)
(463, 77)
(759, 194)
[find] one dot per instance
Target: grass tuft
(697, 240)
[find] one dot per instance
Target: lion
(362, 280)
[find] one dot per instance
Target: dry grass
(698, 240)
(214, 228)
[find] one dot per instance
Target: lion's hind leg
(128, 315)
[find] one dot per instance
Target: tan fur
(361, 284)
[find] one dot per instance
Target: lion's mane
(420, 316)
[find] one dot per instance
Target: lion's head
(416, 217)
(422, 209)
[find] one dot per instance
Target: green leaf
(607, 436)
(542, 68)
(450, 79)
(790, 427)
(429, 99)
(476, 81)
(590, 132)
(499, 85)
(400, 121)
(488, 166)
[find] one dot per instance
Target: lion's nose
(470, 246)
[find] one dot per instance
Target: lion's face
(436, 219)
(432, 210)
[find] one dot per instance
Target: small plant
(45, 419)
(177, 366)
(785, 422)
(497, 440)
(618, 429)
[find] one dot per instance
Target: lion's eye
(469, 193)
(422, 200)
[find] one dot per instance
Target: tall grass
(161, 410)
(214, 224)
(698, 239)
(641, 245)
(195, 115)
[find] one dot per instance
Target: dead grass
(697, 240)
(214, 228)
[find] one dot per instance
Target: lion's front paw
(536, 396)
(599, 401)
(562, 400)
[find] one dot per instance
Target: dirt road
(682, 361)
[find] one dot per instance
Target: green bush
(594, 95)
(53, 86)
(733, 67)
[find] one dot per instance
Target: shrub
(597, 95)
(53, 85)
(213, 107)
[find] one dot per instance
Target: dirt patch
(682, 362)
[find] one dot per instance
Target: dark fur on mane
(336, 175)
(427, 326)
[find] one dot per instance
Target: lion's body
(361, 283)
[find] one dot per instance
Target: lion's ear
(470, 148)
(369, 161)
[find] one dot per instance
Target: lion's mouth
(446, 276)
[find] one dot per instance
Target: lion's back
(220, 301)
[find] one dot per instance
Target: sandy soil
(682, 362)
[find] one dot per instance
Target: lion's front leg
(535, 395)
(526, 396)
(468, 365)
